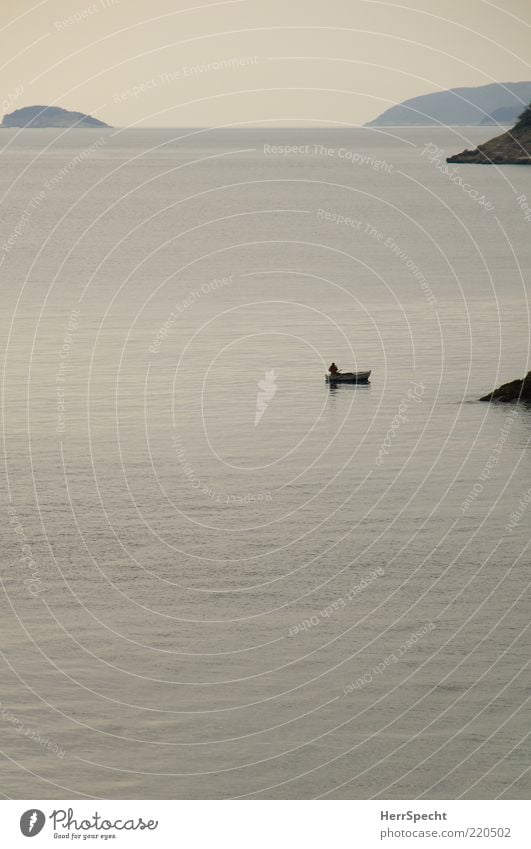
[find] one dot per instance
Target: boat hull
(348, 377)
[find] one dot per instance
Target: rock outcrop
(49, 116)
(516, 390)
(511, 148)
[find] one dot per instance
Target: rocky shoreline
(516, 390)
(511, 148)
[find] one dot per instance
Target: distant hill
(49, 116)
(503, 115)
(457, 106)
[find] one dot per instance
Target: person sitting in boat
(334, 369)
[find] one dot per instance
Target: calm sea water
(221, 577)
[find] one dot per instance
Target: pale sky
(311, 62)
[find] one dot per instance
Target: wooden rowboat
(348, 377)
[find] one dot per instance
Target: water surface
(328, 601)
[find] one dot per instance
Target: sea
(224, 578)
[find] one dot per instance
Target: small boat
(348, 377)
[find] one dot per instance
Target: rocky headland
(49, 116)
(516, 390)
(510, 148)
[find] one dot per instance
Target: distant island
(511, 148)
(458, 106)
(503, 115)
(49, 116)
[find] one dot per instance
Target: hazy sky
(191, 63)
